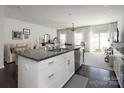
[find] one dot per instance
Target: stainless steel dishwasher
(77, 59)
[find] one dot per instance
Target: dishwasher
(77, 59)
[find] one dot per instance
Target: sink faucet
(56, 41)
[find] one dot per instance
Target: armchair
(9, 55)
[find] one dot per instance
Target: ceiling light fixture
(73, 27)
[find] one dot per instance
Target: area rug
(77, 81)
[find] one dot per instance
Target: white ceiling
(61, 16)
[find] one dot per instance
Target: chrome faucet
(55, 40)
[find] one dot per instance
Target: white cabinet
(117, 65)
(50, 73)
(1, 36)
(70, 63)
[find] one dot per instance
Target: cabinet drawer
(46, 63)
(70, 54)
(47, 78)
(51, 62)
(52, 77)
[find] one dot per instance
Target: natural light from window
(77, 38)
(99, 41)
(62, 39)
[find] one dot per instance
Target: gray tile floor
(77, 81)
(97, 78)
(7, 76)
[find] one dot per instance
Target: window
(77, 38)
(62, 39)
(99, 41)
(94, 41)
(104, 41)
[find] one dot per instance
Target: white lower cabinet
(50, 73)
(117, 66)
(70, 63)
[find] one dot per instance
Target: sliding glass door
(62, 39)
(104, 43)
(94, 41)
(99, 41)
(78, 38)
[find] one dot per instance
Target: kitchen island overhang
(43, 53)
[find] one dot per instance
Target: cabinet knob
(50, 76)
(51, 62)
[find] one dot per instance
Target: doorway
(98, 44)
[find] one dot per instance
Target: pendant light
(73, 27)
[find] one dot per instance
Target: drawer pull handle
(51, 62)
(50, 76)
(68, 61)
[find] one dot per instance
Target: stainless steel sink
(58, 49)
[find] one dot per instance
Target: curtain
(102, 36)
(81, 34)
(96, 37)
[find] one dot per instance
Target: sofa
(10, 49)
(9, 55)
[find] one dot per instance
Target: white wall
(1, 35)
(36, 31)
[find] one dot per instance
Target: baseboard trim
(1, 67)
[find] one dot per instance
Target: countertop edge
(38, 60)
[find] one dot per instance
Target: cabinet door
(119, 76)
(115, 64)
(61, 70)
(70, 63)
(114, 59)
(61, 75)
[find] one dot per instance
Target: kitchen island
(45, 68)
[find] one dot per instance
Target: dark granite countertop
(121, 50)
(43, 53)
